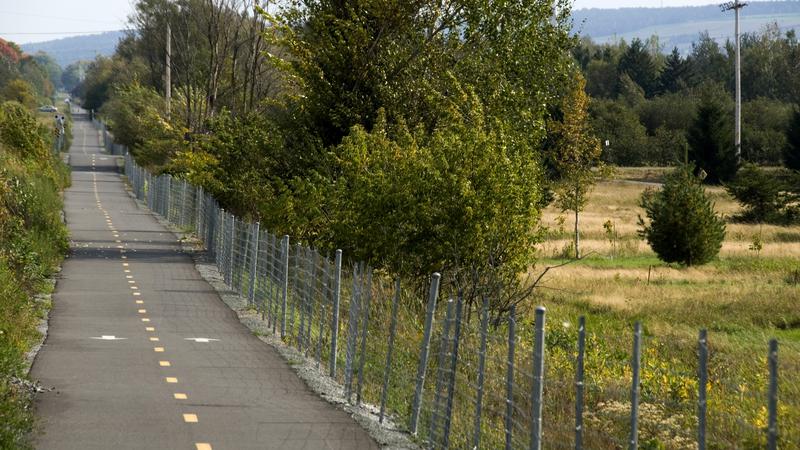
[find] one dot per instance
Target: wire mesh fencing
(456, 377)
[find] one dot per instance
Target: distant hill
(68, 50)
(680, 26)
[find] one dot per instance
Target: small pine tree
(711, 143)
(683, 226)
(791, 153)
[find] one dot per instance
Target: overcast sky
(25, 21)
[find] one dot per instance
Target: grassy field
(743, 298)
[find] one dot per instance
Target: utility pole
(736, 5)
(168, 75)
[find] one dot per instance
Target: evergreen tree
(639, 65)
(683, 226)
(676, 73)
(791, 153)
(711, 142)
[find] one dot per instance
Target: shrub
(763, 195)
(683, 226)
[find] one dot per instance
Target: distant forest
(604, 22)
(645, 104)
(78, 48)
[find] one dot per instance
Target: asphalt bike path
(142, 353)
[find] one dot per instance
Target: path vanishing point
(142, 353)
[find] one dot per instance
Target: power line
(74, 19)
(26, 33)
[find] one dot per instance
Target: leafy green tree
(73, 75)
(575, 155)
(711, 142)
(602, 79)
(36, 75)
(50, 66)
(614, 122)
(682, 226)
(764, 125)
(667, 147)
(464, 199)
(671, 111)
(351, 58)
(791, 152)
(133, 113)
(19, 91)
(709, 64)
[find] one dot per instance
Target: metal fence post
(272, 278)
(169, 197)
(453, 371)
(276, 277)
(579, 383)
(364, 326)
(284, 282)
(772, 407)
(182, 218)
(254, 236)
(538, 380)
(440, 372)
(325, 267)
(388, 366)
(636, 359)
(424, 349)
(702, 375)
(232, 245)
(512, 340)
(198, 210)
(311, 283)
(337, 282)
(352, 330)
(476, 437)
(296, 291)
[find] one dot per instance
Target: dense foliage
(408, 134)
(644, 100)
(24, 78)
(710, 144)
(32, 241)
(766, 196)
(791, 153)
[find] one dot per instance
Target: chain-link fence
(488, 381)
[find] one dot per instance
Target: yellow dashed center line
(202, 446)
(164, 363)
(180, 396)
(149, 329)
(190, 418)
(171, 380)
(159, 349)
